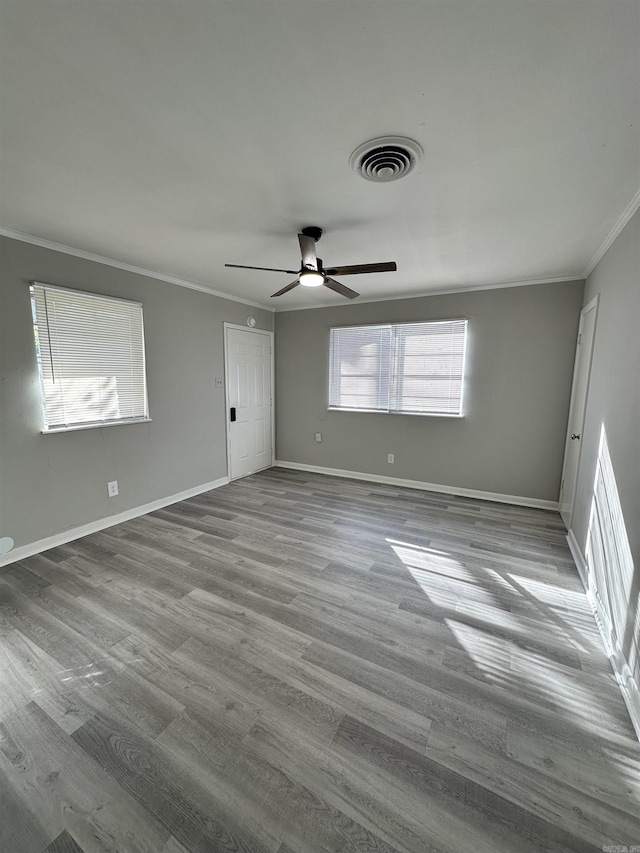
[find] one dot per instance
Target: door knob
(232, 414)
(574, 436)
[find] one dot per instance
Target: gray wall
(519, 367)
(52, 483)
(614, 401)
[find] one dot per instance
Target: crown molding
(629, 211)
(631, 208)
(112, 262)
(447, 292)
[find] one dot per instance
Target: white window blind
(90, 351)
(413, 368)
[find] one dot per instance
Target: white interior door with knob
(249, 382)
(581, 372)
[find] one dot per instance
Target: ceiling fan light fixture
(311, 279)
(386, 158)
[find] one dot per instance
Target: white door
(249, 417)
(581, 372)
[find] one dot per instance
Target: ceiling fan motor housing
(312, 231)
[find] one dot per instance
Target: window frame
(40, 356)
(393, 372)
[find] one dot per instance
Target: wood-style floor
(298, 663)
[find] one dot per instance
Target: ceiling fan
(313, 274)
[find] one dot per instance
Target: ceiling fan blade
(288, 287)
(308, 251)
(332, 284)
(355, 269)
(266, 269)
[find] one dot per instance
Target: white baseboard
(578, 559)
(628, 685)
(32, 548)
(425, 487)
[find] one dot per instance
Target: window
(412, 368)
(90, 353)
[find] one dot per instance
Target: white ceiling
(177, 136)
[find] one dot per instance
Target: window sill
(76, 427)
(387, 412)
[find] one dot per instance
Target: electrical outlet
(112, 488)
(318, 436)
(219, 382)
(391, 458)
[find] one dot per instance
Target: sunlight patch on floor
(487, 653)
(505, 651)
(566, 689)
(428, 559)
(627, 766)
(536, 677)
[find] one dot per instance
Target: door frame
(592, 305)
(227, 422)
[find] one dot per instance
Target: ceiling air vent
(386, 158)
